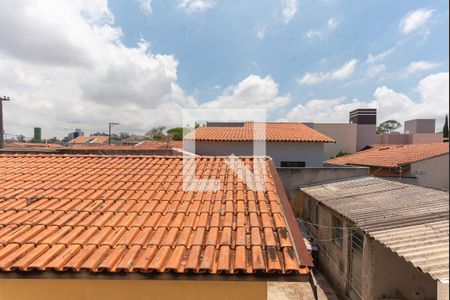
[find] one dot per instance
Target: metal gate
(356, 267)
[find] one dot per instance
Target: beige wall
(426, 138)
(80, 289)
(416, 138)
(433, 172)
(344, 135)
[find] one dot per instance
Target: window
(292, 164)
(336, 231)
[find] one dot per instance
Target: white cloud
(374, 70)
(432, 102)
(339, 74)
(193, 6)
(62, 62)
(379, 57)
(252, 92)
(420, 66)
(289, 9)
(333, 23)
(260, 30)
(318, 34)
(146, 6)
(415, 20)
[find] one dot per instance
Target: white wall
(343, 134)
(311, 153)
(432, 172)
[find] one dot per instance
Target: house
(124, 227)
(350, 137)
(421, 164)
(379, 239)
(91, 139)
(289, 144)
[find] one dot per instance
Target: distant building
(350, 137)
(37, 136)
(289, 144)
(417, 131)
(73, 135)
(91, 140)
(379, 239)
(421, 164)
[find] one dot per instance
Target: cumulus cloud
(252, 92)
(379, 57)
(64, 63)
(289, 9)
(432, 102)
(374, 70)
(260, 30)
(318, 34)
(420, 66)
(146, 6)
(193, 6)
(415, 20)
(345, 71)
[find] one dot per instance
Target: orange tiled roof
(92, 139)
(392, 155)
(130, 214)
(24, 145)
(275, 132)
(145, 145)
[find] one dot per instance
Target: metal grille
(356, 261)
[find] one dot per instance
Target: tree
(388, 126)
(21, 138)
(341, 153)
(445, 131)
(156, 133)
(176, 133)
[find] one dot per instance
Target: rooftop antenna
(110, 125)
(4, 98)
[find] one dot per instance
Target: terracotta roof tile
(275, 132)
(391, 156)
(122, 213)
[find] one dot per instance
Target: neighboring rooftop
(24, 145)
(275, 132)
(130, 214)
(410, 220)
(92, 139)
(391, 156)
(145, 145)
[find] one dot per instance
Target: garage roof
(412, 221)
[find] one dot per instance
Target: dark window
(292, 164)
(337, 231)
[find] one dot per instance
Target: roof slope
(145, 145)
(130, 213)
(92, 139)
(275, 132)
(410, 220)
(392, 156)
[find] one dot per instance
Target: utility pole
(4, 98)
(110, 125)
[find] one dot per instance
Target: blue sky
(141, 62)
(219, 46)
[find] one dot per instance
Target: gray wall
(433, 172)
(420, 126)
(393, 276)
(311, 153)
(366, 135)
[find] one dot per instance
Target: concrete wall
(433, 172)
(293, 178)
(365, 135)
(416, 138)
(420, 126)
(392, 139)
(426, 138)
(80, 289)
(394, 277)
(311, 153)
(344, 135)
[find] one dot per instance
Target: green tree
(445, 131)
(156, 133)
(176, 133)
(388, 126)
(341, 153)
(21, 138)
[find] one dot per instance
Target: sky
(84, 63)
